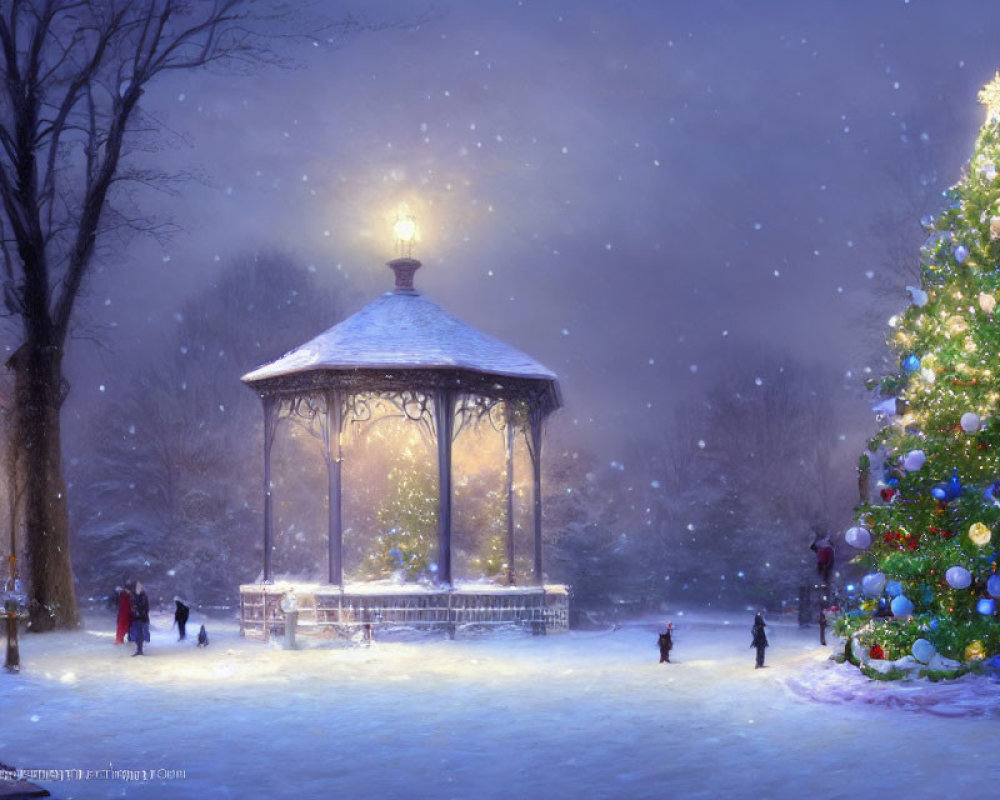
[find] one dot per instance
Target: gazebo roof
(403, 330)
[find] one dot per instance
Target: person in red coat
(124, 614)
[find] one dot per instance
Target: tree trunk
(38, 396)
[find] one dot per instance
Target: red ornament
(888, 494)
(876, 652)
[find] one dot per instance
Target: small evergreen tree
(407, 522)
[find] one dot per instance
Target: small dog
(202, 637)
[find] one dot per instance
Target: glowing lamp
(405, 229)
(405, 232)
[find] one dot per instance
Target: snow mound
(843, 684)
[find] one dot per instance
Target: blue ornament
(901, 606)
(894, 588)
(911, 364)
(993, 585)
(933, 623)
(946, 492)
(986, 606)
(873, 584)
(992, 493)
(927, 222)
(961, 253)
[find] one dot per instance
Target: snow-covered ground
(585, 714)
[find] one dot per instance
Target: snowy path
(588, 714)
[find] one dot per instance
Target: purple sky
(623, 190)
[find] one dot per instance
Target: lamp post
(13, 606)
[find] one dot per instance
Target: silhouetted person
(202, 637)
(139, 631)
(759, 639)
(824, 554)
(822, 626)
(181, 618)
(666, 642)
(124, 615)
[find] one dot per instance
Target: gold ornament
(990, 97)
(994, 228)
(979, 534)
(975, 651)
(956, 325)
(987, 302)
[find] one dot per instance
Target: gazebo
(405, 351)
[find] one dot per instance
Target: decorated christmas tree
(408, 523)
(928, 538)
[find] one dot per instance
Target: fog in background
(674, 206)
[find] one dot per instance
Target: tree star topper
(990, 97)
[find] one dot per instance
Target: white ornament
(858, 537)
(970, 422)
(923, 650)
(988, 302)
(928, 374)
(958, 577)
(914, 460)
(919, 296)
(994, 228)
(887, 407)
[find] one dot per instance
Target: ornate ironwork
(472, 409)
(536, 392)
(407, 404)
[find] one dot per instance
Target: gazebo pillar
(270, 424)
(444, 419)
(509, 436)
(333, 454)
(535, 432)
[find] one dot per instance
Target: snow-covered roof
(403, 330)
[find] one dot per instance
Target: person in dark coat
(822, 626)
(139, 632)
(180, 618)
(666, 643)
(202, 637)
(759, 638)
(124, 614)
(823, 548)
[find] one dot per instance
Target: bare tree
(72, 73)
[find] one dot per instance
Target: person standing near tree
(139, 632)
(824, 553)
(822, 626)
(759, 639)
(124, 614)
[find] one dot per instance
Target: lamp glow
(405, 232)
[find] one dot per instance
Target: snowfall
(581, 714)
